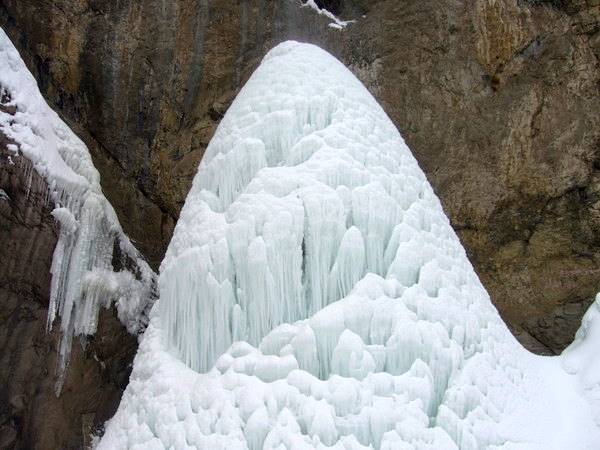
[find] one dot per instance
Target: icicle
(349, 266)
(88, 226)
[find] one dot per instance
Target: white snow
(581, 358)
(314, 295)
(335, 21)
(82, 271)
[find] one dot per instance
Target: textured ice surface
(314, 295)
(82, 273)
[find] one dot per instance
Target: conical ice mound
(314, 295)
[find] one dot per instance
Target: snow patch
(336, 23)
(581, 359)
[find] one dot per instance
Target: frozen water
(314, 295)
(82, 272)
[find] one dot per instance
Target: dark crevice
(560, 5)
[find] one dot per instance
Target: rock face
(31, 416)
(498, 99)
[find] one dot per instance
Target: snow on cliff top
(335, 22)
(82, 274)
(314, 295)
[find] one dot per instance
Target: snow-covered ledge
(83, 279)
(335, 21)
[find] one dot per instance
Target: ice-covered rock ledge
(336, 23)
(91, 239)
(314, 295)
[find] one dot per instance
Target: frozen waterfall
(83, 279)
(304, 189)
(314, 295)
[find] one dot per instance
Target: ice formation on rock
(83, 279)
(335, 22)
(314, 295)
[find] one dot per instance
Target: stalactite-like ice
(83, 279)
(314, 295)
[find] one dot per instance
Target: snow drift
(83, 279)
(314, 295)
